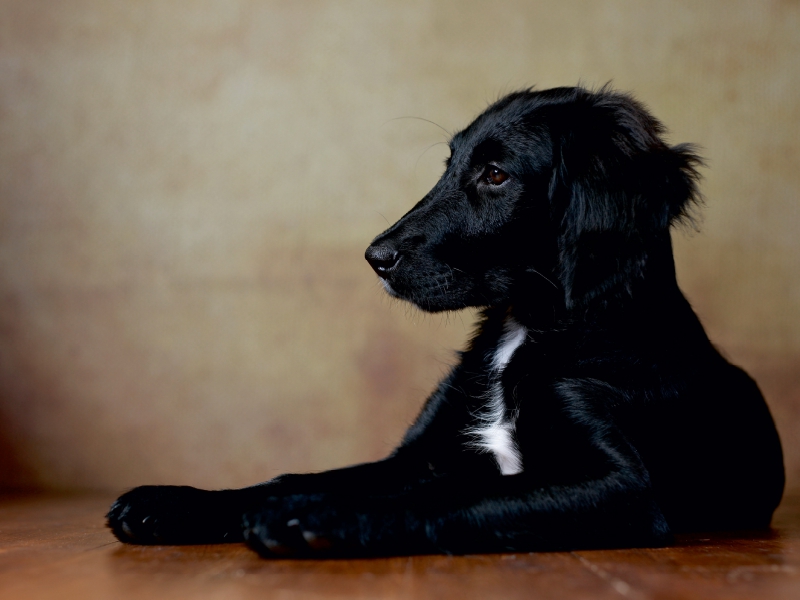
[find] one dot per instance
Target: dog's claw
(128, 531)
(315, 542)
(276, 547)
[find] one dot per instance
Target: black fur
(554, 210)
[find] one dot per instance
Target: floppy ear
(616, 189)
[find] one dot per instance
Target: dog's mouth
(415, 277)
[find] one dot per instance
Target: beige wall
(187, 188)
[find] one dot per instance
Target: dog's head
(563, 193)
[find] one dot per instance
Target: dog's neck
(540, 306)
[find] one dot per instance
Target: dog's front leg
(458, 516)
(187, 515)
(586, 487)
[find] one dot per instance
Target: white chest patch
(494, 433)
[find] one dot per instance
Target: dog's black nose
(382, 258)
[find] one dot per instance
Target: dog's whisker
(384, 218)
(532, 270)
(416, 164)
(446, 132)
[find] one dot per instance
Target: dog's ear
(616, 190)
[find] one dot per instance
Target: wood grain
(58, 547)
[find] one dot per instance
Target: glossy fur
(555, 211)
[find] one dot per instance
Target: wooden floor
(58, 548)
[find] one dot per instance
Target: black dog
(590, 409)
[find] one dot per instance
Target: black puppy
(590, 408)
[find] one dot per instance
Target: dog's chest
(495, 430)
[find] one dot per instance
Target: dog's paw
(153, 515)
(172, 515)
(328, 526)
(307, 526)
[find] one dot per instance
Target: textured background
(187, 189)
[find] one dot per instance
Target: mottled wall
(187, 188)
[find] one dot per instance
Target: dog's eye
(494, 176)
